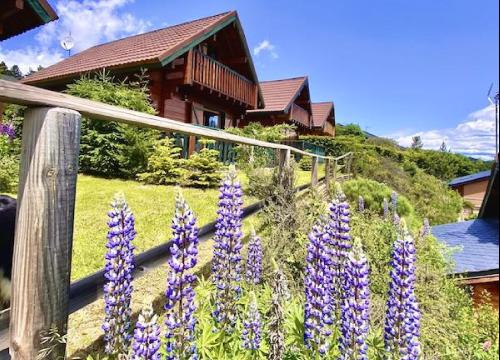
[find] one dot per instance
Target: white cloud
(473, 137)
(90, 22)
(266, 45)
(29, 58)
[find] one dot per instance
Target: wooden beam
(236, 61)
(44, 229)
(327, 175)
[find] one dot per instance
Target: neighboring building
(18, 16)
(200, 72)
(477, 245)
(286, 101)
(323, 119)
(472, 187)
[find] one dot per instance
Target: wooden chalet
(18, 16)
(286, 101)
(323, 119)
(200, 72)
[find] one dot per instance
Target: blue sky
(397, 68)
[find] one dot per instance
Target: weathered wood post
(284, 164)
(44, 229)
(335, 164)
(314, 171)
(327, 174)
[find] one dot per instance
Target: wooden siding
(481, 285)
(300, 115)
(474, 192)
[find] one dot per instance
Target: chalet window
(213, 120)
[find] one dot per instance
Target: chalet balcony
(217, 77)
(300, 116)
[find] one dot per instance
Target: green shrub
(254, 156)
(305, 163)
(9, 173)
(109, 148)
(164, 165)
(9, 164)
(374, 194)
(203, 169)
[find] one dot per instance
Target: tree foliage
(108, 148)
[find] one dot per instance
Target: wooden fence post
(327, 174)
(283, 164)
(314, 171)
(335, 164)
(44, 230)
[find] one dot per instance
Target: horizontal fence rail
(16, 93)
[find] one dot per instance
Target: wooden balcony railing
(216, 76)
(300, 115)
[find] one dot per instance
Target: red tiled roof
(320, 113)
(279, 94)
(148, 48)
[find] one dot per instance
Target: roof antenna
(67, 43)
(494, 101)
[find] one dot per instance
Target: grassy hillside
(420, 175)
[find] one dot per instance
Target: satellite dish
(67, 43)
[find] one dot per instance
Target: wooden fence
(42, 296)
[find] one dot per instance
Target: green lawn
(153, 208)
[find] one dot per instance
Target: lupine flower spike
(8, 130)
(402, 322)
(180, 307)
(385, 207)
(254, 260)
(146, 343)
(361, 204)
(251, 334)
(355, 310)
(426, 230)
(318, 311)
(340, 243)
(394, 202)
(226, 261)
(118, 273)
(276, 326)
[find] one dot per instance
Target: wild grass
(153, 208)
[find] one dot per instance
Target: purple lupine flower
(355, 309)
(254, 260)
(426, 230)
(402, 321)
(8, 130)
(396, 220)
(118, 273)
(146, 342)
(385, 207)
(251, 334)
(318, 309)
(226, 261)
(361, 204)
(394, 202)
(180, 307)
(340, 243)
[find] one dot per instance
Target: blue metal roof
(477, 242)
(470, 178)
